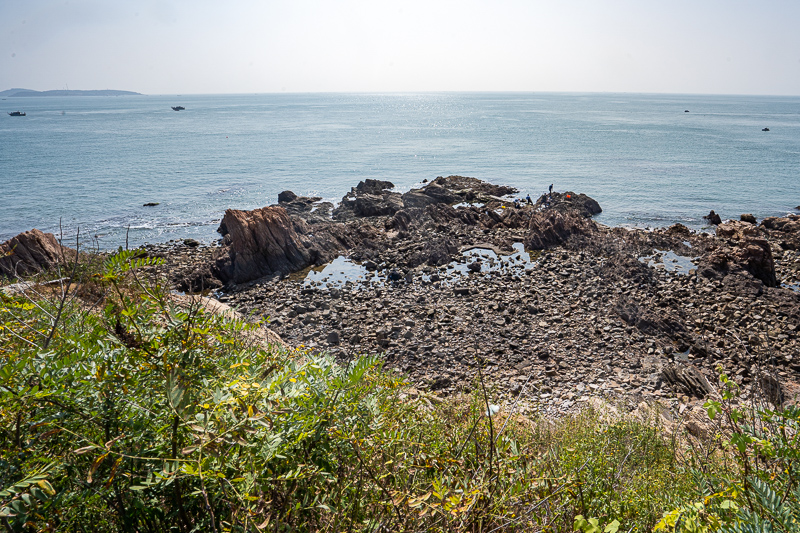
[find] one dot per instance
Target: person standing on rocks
(528, 199)
(551, 188)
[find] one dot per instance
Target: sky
(263, 46)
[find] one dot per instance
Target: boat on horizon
(178, 108)
(16, 114)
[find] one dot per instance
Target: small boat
(765, 129)
(16, 114)
(178, 108)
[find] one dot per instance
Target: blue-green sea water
(91, 162)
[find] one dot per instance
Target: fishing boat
(16, 114)
(178, 108)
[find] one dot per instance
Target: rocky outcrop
(473, 189)
(553, 228)
(784, 230)
(432, 194)
(713, 218)
(311, 209)
(259, 243)
(744, 248)
(370, 198)
(31, 252)
(569, 202)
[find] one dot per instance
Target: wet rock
(747, 217)
(32, 252)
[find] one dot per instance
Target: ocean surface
(90, 163)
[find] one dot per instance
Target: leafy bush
(137, 414)
(761, 492)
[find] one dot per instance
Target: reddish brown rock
(261, 242)
(31, 252)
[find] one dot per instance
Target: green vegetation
(121, 410)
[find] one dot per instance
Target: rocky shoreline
(443, 288)
(549, 305)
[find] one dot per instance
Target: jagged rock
(747, 250)
(687, 379)
(679, 230)
(552, 228)
(713, 218)
(31, 252)
(435, 253)
(262, 242)
(747, 217)
(786, 230)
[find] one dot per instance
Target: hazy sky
(238, 46)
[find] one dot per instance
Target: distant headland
(29, 92)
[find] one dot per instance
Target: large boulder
(260, 243)
(31, 252)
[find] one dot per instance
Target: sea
(83, 167)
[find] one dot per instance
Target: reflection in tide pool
(670, 261)
(342, 271)
(491, 262)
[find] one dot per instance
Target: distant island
(29, 92)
